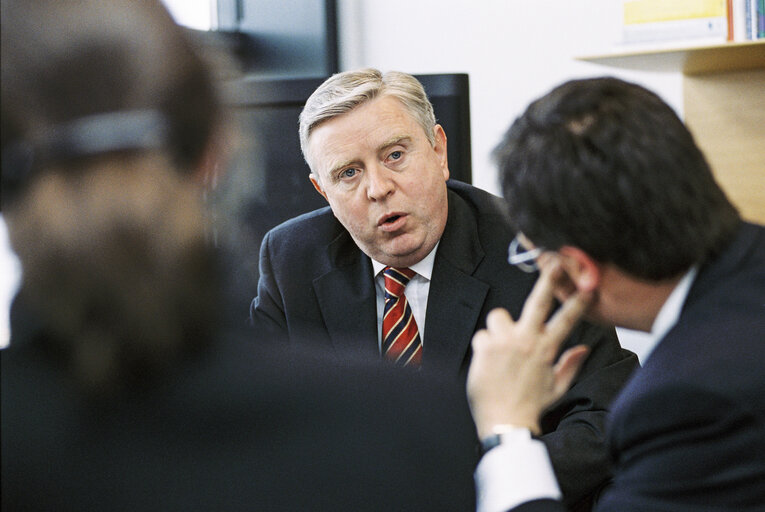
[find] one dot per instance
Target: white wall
(513, 50)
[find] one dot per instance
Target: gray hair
(345, 91)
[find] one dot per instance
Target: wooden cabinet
(724, 107)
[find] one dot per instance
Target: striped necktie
(400, 337)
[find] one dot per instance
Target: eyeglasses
(520, 257)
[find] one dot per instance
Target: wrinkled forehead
(370, 126)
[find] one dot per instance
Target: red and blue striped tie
(400, 337)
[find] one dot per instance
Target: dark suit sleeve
(574, 427)
(267, 315)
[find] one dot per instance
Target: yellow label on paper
(650, 11)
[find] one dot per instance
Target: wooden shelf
(688, 60)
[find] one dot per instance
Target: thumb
(567, 367)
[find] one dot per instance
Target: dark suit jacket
(317, 287)
(688, 431)
(240, 427)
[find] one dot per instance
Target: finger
(565, 319)
(567, 367)
(480, 338)
(540, 300)
(499, 320)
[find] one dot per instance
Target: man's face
(383, 180)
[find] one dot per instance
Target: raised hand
(513, 374)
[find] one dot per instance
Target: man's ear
(315, 181)
(583, 271)
(211, 164)
(440, 149)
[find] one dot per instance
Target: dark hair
(607, 166)
(67, 60)
(108, 225)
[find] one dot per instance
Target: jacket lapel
(456, 297)
(347, 300)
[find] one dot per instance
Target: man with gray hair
(404, 264)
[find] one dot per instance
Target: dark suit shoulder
(722, 324)
(235, 429)
(695, 414)
(310, 243)
(310, 228)
(479, 200)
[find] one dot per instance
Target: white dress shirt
(520, 470)
(10, 279)
(416, 292)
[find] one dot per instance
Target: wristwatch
(503, 434)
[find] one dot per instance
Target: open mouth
(392, 222)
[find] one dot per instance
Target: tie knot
(396, 279)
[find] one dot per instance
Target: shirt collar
(424, 267)
(670, 311)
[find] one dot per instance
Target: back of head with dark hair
(68, 59)
(111, 241)
(607, 166)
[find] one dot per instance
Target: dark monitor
(281, 38)
(267, 179)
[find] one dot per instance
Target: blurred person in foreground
(120, 391)
(615, 202)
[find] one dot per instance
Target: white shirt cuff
(513, 473)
